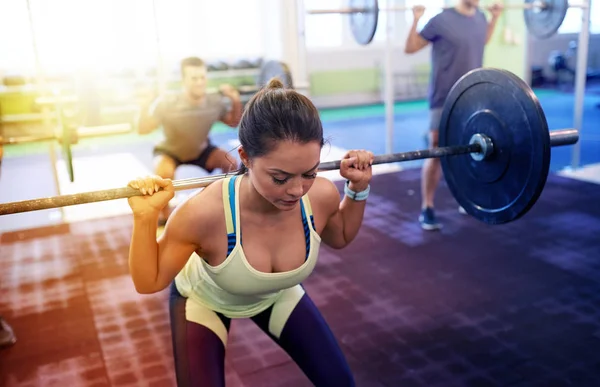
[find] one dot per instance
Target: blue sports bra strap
(302, 210)
(307, 210)
(227, 208)
(231, 188)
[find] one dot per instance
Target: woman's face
(285, 174)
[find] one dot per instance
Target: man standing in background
(458, 36)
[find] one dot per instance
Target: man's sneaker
(7, 336)
(428, 220)
(462, 210)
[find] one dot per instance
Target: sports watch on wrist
(357, 196)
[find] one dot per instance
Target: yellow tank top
(234, 288)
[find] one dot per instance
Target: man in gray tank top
(187, 118)
(458, 36)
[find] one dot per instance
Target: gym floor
(410, 308)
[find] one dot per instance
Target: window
(572, 22)
(15, 38)
(381, 33)
(595, 17)
(93, 34)
(113, 35)
(226, 29)
(324, 30)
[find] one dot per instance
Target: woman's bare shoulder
(324, 196)
(199, 215)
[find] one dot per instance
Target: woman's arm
(154, 264)
(345, 217)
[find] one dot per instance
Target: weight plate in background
(275, 69)
(364, 24)
(545, 22)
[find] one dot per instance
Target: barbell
(494, 147)
(542, 17)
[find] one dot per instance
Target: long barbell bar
(542, 17)
(534, 5)
(537, 5)
(479, 147)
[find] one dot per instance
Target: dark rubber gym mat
(472, 305)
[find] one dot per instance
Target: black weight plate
(500, 105)
(545, 22)
(364, 24)
(275, 69)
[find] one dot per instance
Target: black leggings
(200, 354)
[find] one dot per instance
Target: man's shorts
(199, 162)
(435, 116)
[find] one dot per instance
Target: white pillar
(301, 77)
(389, 82)
(272, 28)
(580, 78)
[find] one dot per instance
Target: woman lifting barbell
(284, 210)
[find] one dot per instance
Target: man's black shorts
(200, 161)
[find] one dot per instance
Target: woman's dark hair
(276, 114)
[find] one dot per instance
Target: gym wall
(540, 50)
(351, 74)
(508, 47)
